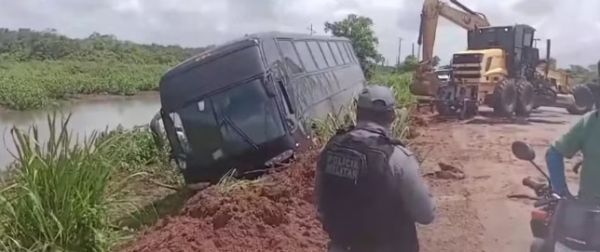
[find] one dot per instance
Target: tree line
(29, 45)
(581, 74)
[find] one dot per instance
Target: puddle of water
(86, 116)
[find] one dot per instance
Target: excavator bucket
(425, 81)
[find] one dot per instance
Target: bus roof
(299, 36)
(238, 43)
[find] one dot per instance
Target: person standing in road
(369, 188)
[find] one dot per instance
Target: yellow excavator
(425, 81)
(499, 69)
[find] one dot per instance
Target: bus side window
(350, 52)
(286, 97)
(344, 48)
(336, 53)
(328, 54)
(305, 56)
(270, 51)
(290, 57)
(343, 52)
(317, 54)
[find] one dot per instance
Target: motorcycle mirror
(523, 151)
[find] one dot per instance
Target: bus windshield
(231, 122)
(182, 86)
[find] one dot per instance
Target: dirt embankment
(473, 212)
(276, 213)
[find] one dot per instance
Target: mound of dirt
(277, 213)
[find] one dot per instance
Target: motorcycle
(545, 205)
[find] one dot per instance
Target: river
(87, 115)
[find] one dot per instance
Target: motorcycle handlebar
(546, 201)
(529, 182)
(542, 202)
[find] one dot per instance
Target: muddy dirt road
(474, 213)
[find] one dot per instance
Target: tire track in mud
(474, 214)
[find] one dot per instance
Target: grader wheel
(584, 100)
(505, 97)
(525, 98)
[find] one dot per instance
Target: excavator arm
(433, 9)
(425, 82)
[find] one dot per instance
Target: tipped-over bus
(250, 102)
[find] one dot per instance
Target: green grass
(37, 84)
(59, 198)
(65, 195)
(134, 150)
(399, 82)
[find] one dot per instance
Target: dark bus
(249, 102)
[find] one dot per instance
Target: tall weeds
(399, 83)
(58, 198)
(325, 129)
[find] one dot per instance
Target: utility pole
(312, 31)
(413, 50)
(399, 51)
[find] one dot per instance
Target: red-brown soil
(275, 214)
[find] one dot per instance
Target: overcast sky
(573, 25)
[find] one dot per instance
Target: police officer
(369, 189)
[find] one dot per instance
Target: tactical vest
(357, 197)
